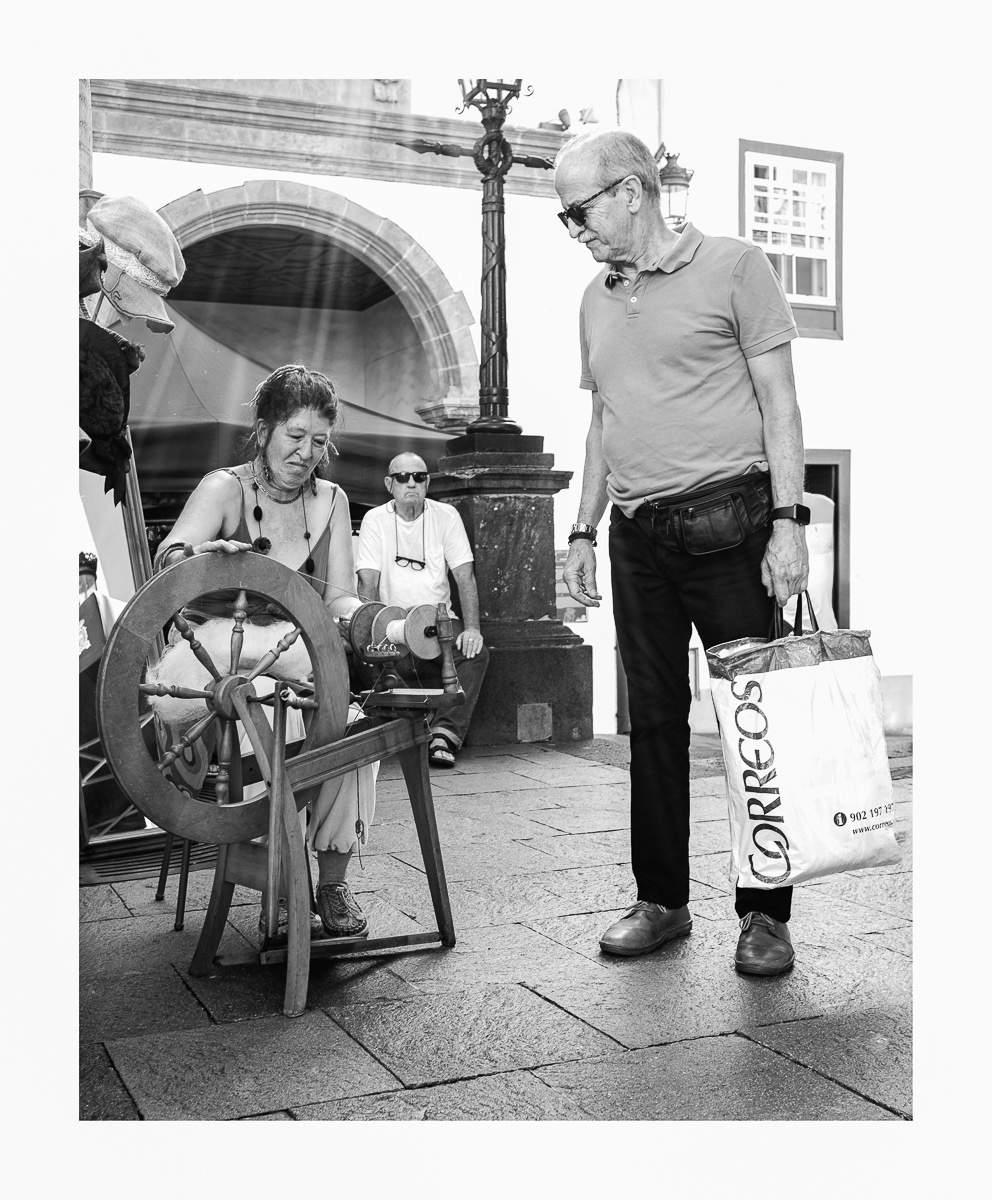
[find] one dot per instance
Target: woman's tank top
(259, 608)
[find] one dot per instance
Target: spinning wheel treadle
(125, 661)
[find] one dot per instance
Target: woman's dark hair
(285, 392)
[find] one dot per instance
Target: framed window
(791, 204)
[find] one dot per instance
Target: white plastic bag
(808, 784)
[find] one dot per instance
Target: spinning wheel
(229, 695)
(280, 867)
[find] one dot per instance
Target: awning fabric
(189, 415)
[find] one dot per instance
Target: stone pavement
(524, 1019)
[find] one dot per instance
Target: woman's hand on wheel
(221, 546)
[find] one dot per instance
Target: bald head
(610, 154)
(407, 462)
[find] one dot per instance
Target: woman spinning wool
(276, 504)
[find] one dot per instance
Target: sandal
(441, 752)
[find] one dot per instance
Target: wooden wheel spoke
(238, 634)
(181, 693)
(186, 630)
(270, 656)
(224, 761)
(188, 738)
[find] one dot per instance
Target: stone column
(539, 683)
(85, 136)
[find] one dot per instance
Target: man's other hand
(579, 574)
(785, 567)
(469, 642)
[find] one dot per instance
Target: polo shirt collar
(681, 253)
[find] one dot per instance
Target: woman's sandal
(441, 752)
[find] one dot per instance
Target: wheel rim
(125, 657)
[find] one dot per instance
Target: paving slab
(583, 849)
(569, 774)
(245, 1068)
(501, 954)
(475, 861)
(854, 975)
(102, 1096)
(688, 990)
(709, 1079)
(114, 948)
(142, 1002)
(514, 1096)
(583, 819)
(479, 1031)
(899, 940)
(814, 908)
(250, 991)
(870, 1052)
(712, 871)
(523, 802)
(892, 894)
(581, 933)
(101, 903)
(483, 783)
(139, 895)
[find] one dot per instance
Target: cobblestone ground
(524, 1019)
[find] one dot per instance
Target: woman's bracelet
(162, 555)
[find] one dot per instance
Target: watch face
(802, 514)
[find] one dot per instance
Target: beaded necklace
(262, 544)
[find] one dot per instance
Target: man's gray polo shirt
(668, 353)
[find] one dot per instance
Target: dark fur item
(106, 361)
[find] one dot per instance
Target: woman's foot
(441, 752)
(339, 911)
(281, 935)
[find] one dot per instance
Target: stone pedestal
(539, 683)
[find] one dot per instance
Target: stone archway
(440, 315)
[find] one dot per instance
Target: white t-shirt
(437, 537)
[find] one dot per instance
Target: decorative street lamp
(493, 156)
(674, 180)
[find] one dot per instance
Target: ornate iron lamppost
(493, 156)
(674, 181)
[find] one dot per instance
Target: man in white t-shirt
(405, 549)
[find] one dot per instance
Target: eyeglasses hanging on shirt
(402, 560)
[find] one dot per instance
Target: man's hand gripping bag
(808, 784)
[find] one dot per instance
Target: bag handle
(778, 622)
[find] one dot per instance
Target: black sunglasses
(404, 476)
(576, 212)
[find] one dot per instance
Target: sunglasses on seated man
(576, 212)
(404, 476)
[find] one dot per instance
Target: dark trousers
(658, 595)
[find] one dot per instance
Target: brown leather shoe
(764, 947)
(644, 927)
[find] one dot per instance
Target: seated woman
(277, 504)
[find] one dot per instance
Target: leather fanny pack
(717, 517)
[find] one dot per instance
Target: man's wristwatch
(795, 512)
(581, 530)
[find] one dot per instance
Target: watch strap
(794, 512)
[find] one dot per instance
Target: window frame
(812, 320)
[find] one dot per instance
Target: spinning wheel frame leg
(183, 881)
(417, 775)
(296, 875)
(214, 921)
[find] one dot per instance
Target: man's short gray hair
(617, 154)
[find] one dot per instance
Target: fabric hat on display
(143, 257)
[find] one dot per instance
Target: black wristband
(581, 533)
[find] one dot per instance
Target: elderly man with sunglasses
(405, 549)
(696, 438)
